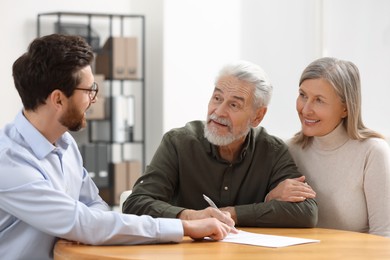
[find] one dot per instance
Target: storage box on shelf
(121, 52)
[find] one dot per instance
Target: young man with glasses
(45, 193)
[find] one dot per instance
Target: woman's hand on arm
(291, 190)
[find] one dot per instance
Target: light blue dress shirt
(46, 193)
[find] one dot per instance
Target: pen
(212, 204)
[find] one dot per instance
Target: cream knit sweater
(351, 179)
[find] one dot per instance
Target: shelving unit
(120, 142)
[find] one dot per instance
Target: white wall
(360, 31)
(199, 37)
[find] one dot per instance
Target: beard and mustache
(211, 132)
(73, 119)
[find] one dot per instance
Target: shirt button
(226, 188)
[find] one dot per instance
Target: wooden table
(335, 244)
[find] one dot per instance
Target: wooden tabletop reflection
(334, 244)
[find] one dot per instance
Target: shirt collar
(39, 145)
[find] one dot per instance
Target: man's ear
(260, 113)
(56, 98)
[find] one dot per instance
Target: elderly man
(228, 158)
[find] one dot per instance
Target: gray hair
(251, 73)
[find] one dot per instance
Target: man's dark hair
(51, 62)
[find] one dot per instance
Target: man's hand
(223, 216)
(232, 212)
(208, 227)
(291, 190)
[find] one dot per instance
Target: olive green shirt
(186, 166)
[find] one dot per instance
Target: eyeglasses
(92, 91)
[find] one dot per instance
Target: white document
(255, 239)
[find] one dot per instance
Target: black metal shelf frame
(111, 17)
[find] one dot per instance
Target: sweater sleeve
(377, 187)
